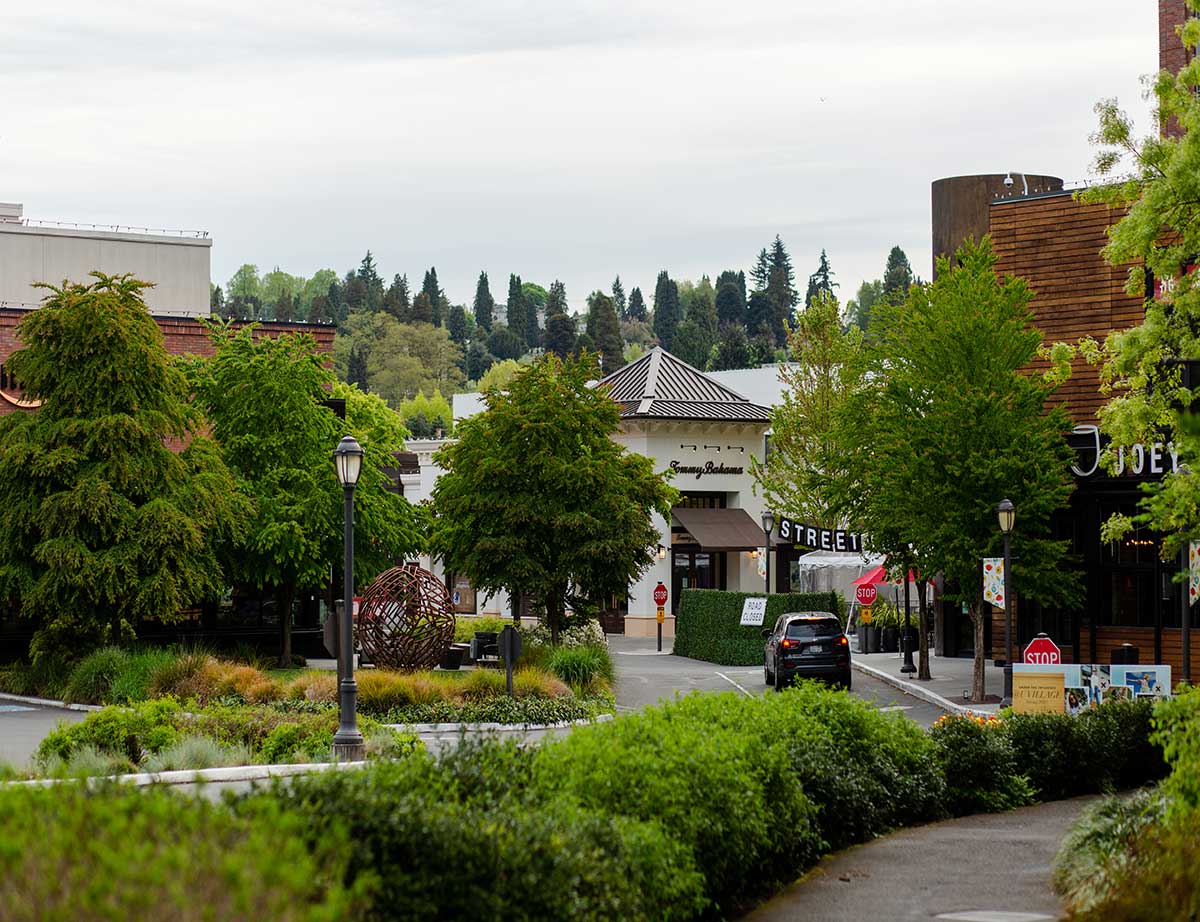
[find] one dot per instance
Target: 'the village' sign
(824, 539)
(704, 470)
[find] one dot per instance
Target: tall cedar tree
(517, 313)
(821, 282)
(535, 301)
(781, 288)
(398, 301)
(373, 284)
(437, 298)
(101, 523)
(1152, 400)
(637, 306)
(456, 323)
(264, 399)
(666, 310)
(897, 277)
(948, 422)
(560, 327)
(422, 309)
(760, 317)
(484, 305)
(479, 360)
(605, 330)
(618, 296)
(760, 275)
(731, 298)
(538, 499)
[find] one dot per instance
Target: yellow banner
(1038, 693)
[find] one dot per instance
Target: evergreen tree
(618, 296)
(820, 282)
(516, 312)
(897, 277)
(354, 293)
(782, 290)
(637, 306)
(732, 349)
(760, 275)
(372, 283)
(730, 298)
(422, 309)
(397, 301)
(437, 298)
(456, 323)
(337, 302)
(320, 311)
(485, 305)
(666, 310)
(503, 343)
(560, 327)
(605, 330)
(760, 316)
(216, 300)
(479, 360)
(285, 307)
(533, 329)
(356, 373)
(692, 344)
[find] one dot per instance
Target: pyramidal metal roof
(659, 386)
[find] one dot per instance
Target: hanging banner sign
(993, 581)
(1193, 572)
(821, 539)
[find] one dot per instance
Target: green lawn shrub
(707, 627)
(433, 847)
(502, 710)
(47, 678)
(465, 628)
(142, 855)
(93, 676)
(581, 666)
(131, 732)
(980, 766)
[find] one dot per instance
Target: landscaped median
(693, 809)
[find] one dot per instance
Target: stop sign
(865, 595)
(1043, 651)
(660, 594)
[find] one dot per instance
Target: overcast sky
(552, 138)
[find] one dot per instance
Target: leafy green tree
(730, 300)
(666, 310)
(484, 305)
(315, 287)
(732, 349)
(1153, 391)
(425, 416)
(479, 360)
(102, 524)
(360, 333)
(412, 357)
(422, 309)
(285, 308)
(897, 277)
(397, 301)
(535, 293)
(858, 308)
(517, 314)
(692, 344)
(618, 297)
(244, 284)
(637, 306)
(279, 286)
(499, 375)
(263, 399)
(537, 498)
(820, 282)
(804, 445)
(504, 344)
(456, 323)
(605, 330)
(948, 422)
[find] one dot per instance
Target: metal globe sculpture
(405, 619)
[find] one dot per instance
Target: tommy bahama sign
(706, 469)
(822, 539)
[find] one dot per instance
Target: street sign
(865, 595)
(660, 614)
(660, 595)
(1043, 651)
(753, 611)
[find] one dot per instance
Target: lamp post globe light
(1007, 514)
(768, 524)
(348, 743)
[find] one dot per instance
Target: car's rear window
(812, 629)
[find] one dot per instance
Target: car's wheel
(844, 682)
(768, 676)
(780, 679)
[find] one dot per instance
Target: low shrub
(980, 766)
(135, 681)
(536, 683)
(580, 666)
(707, 626)
(316, 685)
(116, 853)
(502, 710)
(130, 732)
(196, 753)
(481, 684)
(465, 628)
(47, 677)
(588, 633)
(93, 676)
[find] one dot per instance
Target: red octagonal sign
(865, 595)
(1043, 651)
(660, 594)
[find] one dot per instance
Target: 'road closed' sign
(753, 611)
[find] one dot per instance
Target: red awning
(878, 577)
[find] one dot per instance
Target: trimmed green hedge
(707, 625)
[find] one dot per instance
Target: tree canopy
(102, 524)
(537, 498)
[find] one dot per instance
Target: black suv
(807, 644)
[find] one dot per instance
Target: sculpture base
(350, 751)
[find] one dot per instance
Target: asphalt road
(24, 726)
(646, 677)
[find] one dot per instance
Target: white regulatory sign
(753, 611)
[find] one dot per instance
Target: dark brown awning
(721, 529)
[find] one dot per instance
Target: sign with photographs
(1084, 685)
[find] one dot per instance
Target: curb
(919, 691)
(51, 703)
(496, 727)
(205, 775)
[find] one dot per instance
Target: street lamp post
(1007, 515)
(908, 668)
(768, 524)
(348, 743)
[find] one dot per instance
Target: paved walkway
(984, 868)
(950, 677)
(24, 726)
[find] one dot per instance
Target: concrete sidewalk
(949, 685)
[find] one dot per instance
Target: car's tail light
(787, 642)
(843, 641)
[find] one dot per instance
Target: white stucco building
(705, 433)
(177, 262)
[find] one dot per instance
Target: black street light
(1007, 515)
(768, 524)
(348, 743)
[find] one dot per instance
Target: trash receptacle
(1124, 655)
